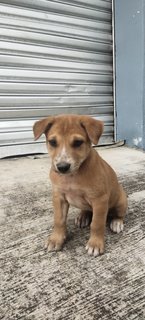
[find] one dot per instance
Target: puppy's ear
(42, 126)
(94, 128)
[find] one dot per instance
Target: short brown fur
(89, 183)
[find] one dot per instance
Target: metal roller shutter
(55, 57)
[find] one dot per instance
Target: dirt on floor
(69, 284)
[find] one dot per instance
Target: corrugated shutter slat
(55, 57)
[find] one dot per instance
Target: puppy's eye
(53, 143)
(77, 143)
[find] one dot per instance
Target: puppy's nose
(63, 167)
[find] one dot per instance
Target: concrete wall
(130, 76)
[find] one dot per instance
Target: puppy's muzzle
(63, 167)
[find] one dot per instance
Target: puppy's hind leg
(83, 219)
(119, 212)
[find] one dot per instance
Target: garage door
(55, 57)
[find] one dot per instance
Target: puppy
(81, 178)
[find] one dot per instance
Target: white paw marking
(91, 251)
(116, 225)
(96, 252)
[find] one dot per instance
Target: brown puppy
(80, 177)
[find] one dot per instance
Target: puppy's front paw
(55, 241)
(116, 225)
(95, 246)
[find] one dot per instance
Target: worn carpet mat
(69, 284)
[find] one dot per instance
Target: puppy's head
(68, 139)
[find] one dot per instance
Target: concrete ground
(69, 284)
